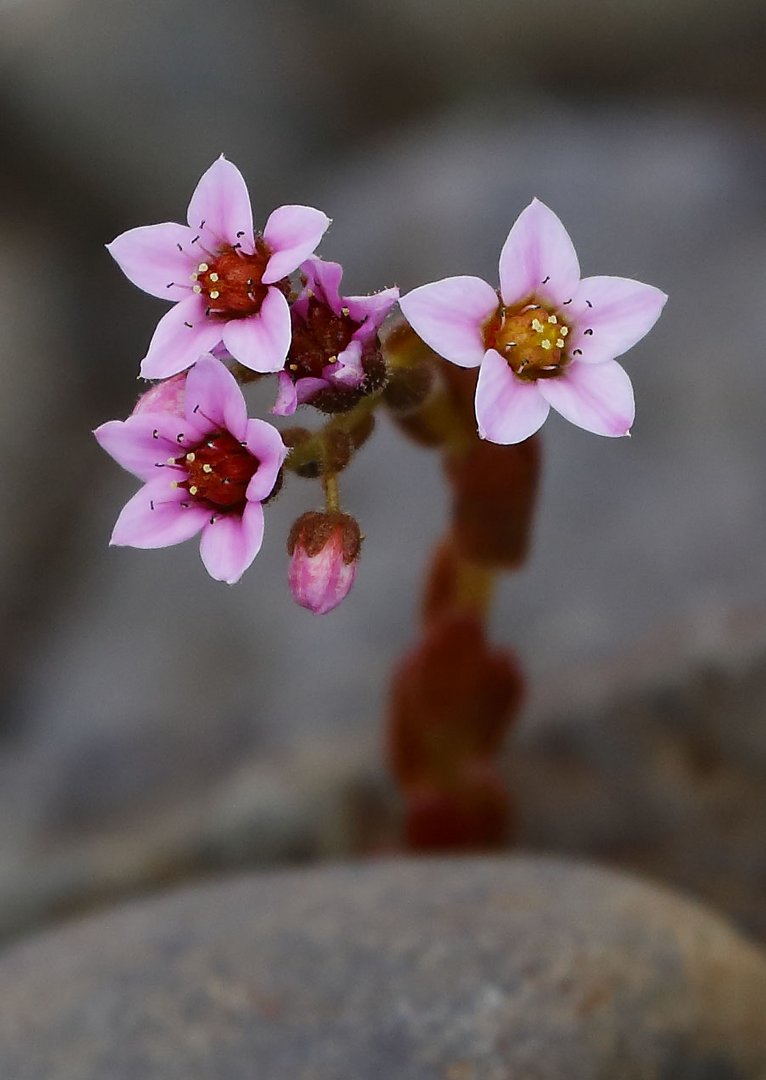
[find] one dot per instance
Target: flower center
(531, 341)
(318, 337)
(231, 282)
(218, 471)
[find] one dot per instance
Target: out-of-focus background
(157, 725)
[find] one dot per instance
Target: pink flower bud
(167, 396)
(324, 547)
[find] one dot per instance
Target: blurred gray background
(158, 725)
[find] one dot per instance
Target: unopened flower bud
(166, 396)
(324, 548)
(409, 387)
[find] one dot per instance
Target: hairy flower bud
(324, 548)
(409, 387)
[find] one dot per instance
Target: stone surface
(650, 762)
(500, 969)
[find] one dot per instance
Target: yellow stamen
(193, 489)
(214, 277)
(202, 268)
(190, 457)
(214, 294)
(545, 344)
(560, 343)
(564, 331)
(537, 325)
(552, 319)
(345, 312)
(207, 468)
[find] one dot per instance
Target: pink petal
(292, 233)
(320, 582)
(597, 397)
(180, 339)
(230, 543)
(220, 207)
(261, 341)
(323, 279)
(265, 443)
(299, 308)
(508, 410)
(372, 310)
(157, 258)
(308, 388)
(538, 259)
(347, 370)
(212, 392)
(287, 398)
(619, 311)
(449, 315)
(155, 518)
(143, 443)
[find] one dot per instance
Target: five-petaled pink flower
(229, 283)
(208, 470)
(550, 341)
(332, 336)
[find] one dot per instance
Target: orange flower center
(531, 341)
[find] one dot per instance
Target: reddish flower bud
(454, 696)
(324, 547)
(474, 813)
(494, 489)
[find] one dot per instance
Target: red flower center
(218, 472)
(231, 282)
(317, 340)
(531, 341)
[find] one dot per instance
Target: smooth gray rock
(479, 969)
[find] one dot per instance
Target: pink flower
(228, 282)
(324, 548)
(209, 470)
(334, 337)
(551, 340)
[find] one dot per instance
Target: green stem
(331, 493)
(475, 586)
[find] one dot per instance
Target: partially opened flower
(207, 471)
(549, 339)
(228, 282)
(334, 343)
